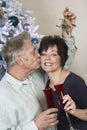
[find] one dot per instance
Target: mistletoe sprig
(66, 24)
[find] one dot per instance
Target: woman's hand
(70, 105)
(70, 20)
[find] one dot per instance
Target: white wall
(48, 12)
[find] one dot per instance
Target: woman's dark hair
(62, 48)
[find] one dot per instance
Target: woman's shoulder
(73, 77)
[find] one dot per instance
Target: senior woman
(53, 51)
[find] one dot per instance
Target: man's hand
(46, 118)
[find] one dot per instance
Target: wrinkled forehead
(29, 46)
(28, 43)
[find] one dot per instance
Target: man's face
(31, 58)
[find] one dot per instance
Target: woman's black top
(75, 86)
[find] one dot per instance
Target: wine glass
(49, 97)
(61, 93)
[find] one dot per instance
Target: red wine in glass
(61, 93)
(49, 97)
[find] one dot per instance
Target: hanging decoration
(14, 20)
(65, 23)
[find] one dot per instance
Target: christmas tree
(14, 20)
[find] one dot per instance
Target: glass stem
(69, 121)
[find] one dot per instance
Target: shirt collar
(17, 83)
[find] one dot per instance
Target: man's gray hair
(15, 47)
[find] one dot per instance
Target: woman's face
(50, 60)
